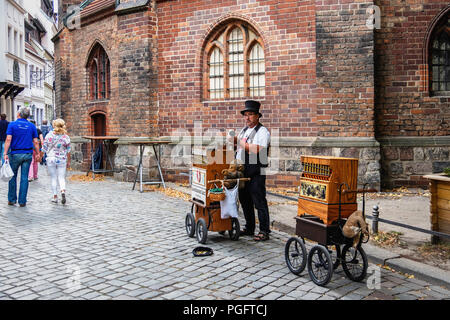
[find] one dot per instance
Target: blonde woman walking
(57, 148)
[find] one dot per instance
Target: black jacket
(3, 127)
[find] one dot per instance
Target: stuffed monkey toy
(354, 226)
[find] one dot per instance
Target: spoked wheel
(235, 229)
(190, 225)
(320, 265)
(354, 262)
(335, 256)
(295, 255)
(202, 231)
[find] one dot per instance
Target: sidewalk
(411, 208)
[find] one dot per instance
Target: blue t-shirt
(23, 132)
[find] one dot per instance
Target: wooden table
(142, 144)
(102, 140)
(439, 205)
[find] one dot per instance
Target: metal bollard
(375, 215)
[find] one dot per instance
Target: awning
(10, 89)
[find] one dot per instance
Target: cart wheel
(354, 263)
(190, 225)
(202, 231)
(235, 229)
(335, 256)
(295, 255)
(320, 265)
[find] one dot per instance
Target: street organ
(319, 183)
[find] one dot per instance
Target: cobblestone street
(109, 242)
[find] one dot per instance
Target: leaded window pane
(236, 63)
(216, 74)
(440, 60)
(257, 71)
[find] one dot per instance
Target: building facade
(27, 75)
(332, 76)
(40, 27)
(13, 74)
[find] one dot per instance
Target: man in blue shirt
(21, 136)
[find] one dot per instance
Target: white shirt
(261, 138)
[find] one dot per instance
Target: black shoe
(63, 196)
(245, 232)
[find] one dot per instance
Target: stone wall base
(383, 164)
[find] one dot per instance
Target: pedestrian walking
(22, 137)
(57, 147)
(33, 174)
(3, 126)
(252, 149)
(45, 128)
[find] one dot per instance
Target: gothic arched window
(234, 63)
(440, 58)
(99, 74)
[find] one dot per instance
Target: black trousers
(254, 196)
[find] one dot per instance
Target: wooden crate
(439, 205)
(319, 185)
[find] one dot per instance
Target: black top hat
(252, 105)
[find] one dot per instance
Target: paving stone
(272, 296)
(405, 296)
(311, 296)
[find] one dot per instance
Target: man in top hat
(252, 149)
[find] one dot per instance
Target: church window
(99, 74)
(235, 64)
(440, 58)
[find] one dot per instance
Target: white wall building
(27, 40)
(13, 66)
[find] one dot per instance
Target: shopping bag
(6, 172)
(229, 206)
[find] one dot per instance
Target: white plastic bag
(229, 206)
(6, 172)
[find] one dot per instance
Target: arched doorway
(98, 124)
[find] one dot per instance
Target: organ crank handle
(228, 180)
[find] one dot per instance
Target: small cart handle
(228, 180)
(359, 191)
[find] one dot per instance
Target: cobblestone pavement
(109, 242)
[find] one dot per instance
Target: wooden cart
(327, 196)
(205, 213)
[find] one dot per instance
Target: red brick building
(330, 83)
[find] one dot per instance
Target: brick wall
(287, 28)
(345, 71)
(412, 126)
(129, 40)
(338, 102)
(404, 106)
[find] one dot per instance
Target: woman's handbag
(6, 172)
